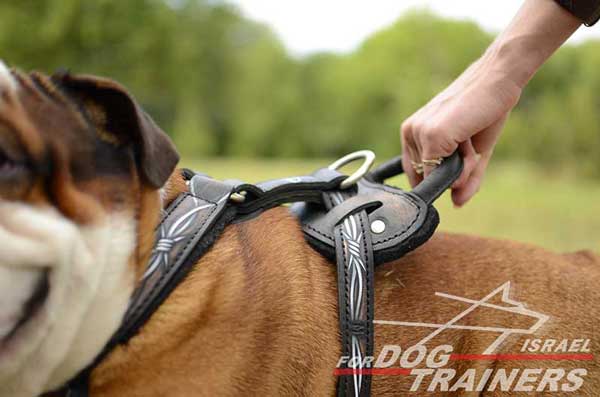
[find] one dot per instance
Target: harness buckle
(238, 197)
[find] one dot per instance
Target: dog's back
(498, 305)
(258, 316)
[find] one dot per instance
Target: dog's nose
(7, 81)
(7, 323)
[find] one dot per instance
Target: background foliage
(223, 85)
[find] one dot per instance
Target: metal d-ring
(369, 158)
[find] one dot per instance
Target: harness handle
(386, 170)
(440, 179)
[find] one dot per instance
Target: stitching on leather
(200, 198)
(346, 330)
(205, 199)
(319, 232)
(374, 243)
(400, 233)
(142, 304)
(369, 306)
(172, 209)
(405, 229)
(194, 235)
(366, 258)
(169, 271)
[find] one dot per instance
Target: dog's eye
(15, 177)
(8, 166)
(4, 161)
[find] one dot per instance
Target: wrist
(539, 28)
(515, 59)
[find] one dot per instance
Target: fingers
(483, 142)
(466, 191)
(435, 144)
(424, 142)
(470, 159)
(408, 168)
(410, 154)
(470, 112)
(429, 138)
(486, 139)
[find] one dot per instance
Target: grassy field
(518, 201)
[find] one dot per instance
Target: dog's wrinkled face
(80, 165)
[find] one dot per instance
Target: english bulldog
(84, 174)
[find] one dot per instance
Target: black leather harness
(359, 227)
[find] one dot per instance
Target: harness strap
(337, 222)
(269, 194)
(188, 221)
(355, 272)
(188, 228)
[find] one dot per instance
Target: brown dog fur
(258, 314)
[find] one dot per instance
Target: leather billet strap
(355, 273)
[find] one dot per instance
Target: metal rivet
(378, 226)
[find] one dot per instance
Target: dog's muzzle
(22, 292)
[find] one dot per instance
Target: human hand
(470, 113)
(468, 116)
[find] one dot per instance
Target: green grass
(518, 201)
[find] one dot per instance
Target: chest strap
(356, 298)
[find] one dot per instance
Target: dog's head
(80, 166)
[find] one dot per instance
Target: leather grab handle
(440, 179)
(431, 187)
(386, 170)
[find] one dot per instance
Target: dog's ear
(123, 121)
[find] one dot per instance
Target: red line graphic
(471, 357)
(522, 357)
(372, 371)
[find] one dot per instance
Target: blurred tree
(224, 85)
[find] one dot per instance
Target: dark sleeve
(586, 10)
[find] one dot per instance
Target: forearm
(469, 114)
(535, 33)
